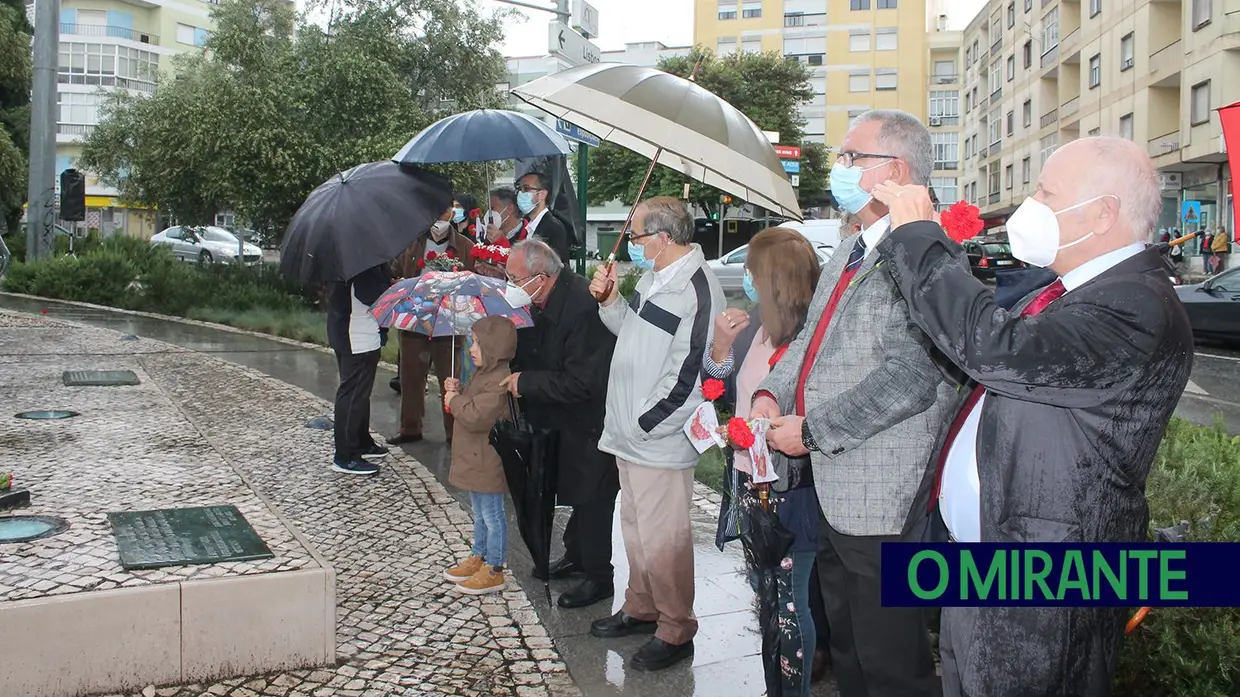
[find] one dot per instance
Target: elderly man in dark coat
(560, 374)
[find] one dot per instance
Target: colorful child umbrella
(446, 303)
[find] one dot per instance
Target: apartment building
(943, 110)
(864, 54)
(116, 44)
(1039, 73)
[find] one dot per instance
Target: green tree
(275, 105)
(15, 76)
(766, 87)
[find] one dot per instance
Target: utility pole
(41, 209)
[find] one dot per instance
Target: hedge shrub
(1189, 652)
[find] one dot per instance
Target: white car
(206, 245)
(730, 270)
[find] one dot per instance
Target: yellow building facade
(864, 54)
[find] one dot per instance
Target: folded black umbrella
(766, 542)
(531, 464)
(360, 219)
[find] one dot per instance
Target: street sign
(796, 180)
(771, 136)
(788, 152)
(792, 166)
(574, 48)
(585, 19)
(572, 131)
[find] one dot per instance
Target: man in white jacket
(652, 391)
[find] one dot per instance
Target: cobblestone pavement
(212, 424)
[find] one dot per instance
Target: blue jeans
(490, 527)
(796, 592)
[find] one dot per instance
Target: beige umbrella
(673, 122)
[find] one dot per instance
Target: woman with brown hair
(781, 272)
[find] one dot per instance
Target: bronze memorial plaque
(181, 536)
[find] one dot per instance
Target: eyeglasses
(527, 189)
(633, 237)
(521, 281)
(848, 157)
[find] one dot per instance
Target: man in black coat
(533, 195)
(560, 374)
(1070, 393)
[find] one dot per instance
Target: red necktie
(1040, 302)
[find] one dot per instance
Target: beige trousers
(658, 539)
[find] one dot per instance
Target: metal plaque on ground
(99, 378)
(183, 536)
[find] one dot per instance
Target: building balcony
(1167, 60)
(1068, 43)
(996, 47)
(1164, 144)
(76, 130)
(1049, 118)
(993, 198)
(996, 95)
(1051, 56)
(109, 31)
(1069, 107)
(805, 20)
(944, 79)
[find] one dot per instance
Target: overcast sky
(630, 21)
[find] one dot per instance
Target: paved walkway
(388, 537)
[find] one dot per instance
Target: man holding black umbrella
(356, 338)
(560, 374)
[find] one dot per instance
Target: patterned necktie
(857, 256)
(1048, 295)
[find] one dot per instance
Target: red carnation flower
(961, 221)
(421, 263)
(502, 242)
(475, 212)
(431, 256)
(713, 389)
(739, 433)
(448, 253)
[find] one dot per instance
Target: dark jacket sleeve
(1069, 356)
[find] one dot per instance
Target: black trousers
(876, 651)
(352, 414)
(818, 608)
(587, 538)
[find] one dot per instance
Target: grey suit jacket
(1078, 398)
(875, 399)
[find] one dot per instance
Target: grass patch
(710, 469)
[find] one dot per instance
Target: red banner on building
(788, 152)
(1229, 116)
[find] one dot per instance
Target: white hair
(904, 136)
(540, 258)
(1118, 167)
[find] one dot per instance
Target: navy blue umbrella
(483, 135)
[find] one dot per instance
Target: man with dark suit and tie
(859, 391)
(1071, 392)
(532, 199)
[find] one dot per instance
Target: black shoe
(375, 452)
(394, 383)
(585, 594)
(564, 568)
(658, 654)
(619, 625)
(401, 439)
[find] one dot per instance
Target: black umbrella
(766, 542)
(360, 219)
(531, 464)
(483, 135)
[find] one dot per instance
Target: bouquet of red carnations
(490, 260)
(441, 262)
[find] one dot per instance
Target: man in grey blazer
(859, 391)
(1071, 393)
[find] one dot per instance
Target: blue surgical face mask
(637, 254)
(846, 188)
(458, 215)
(525, 201)
(747, 285)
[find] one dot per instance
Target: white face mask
(1033, 231)
(439, 230)
(517, 296)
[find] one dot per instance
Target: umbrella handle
(611, 259)
(1136, 620)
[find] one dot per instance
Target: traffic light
(725, 200)
(72, 196)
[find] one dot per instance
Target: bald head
(1115, 169)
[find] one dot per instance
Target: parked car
(730, 270)
(1213, 307)
(205, 245)
(988, 256)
